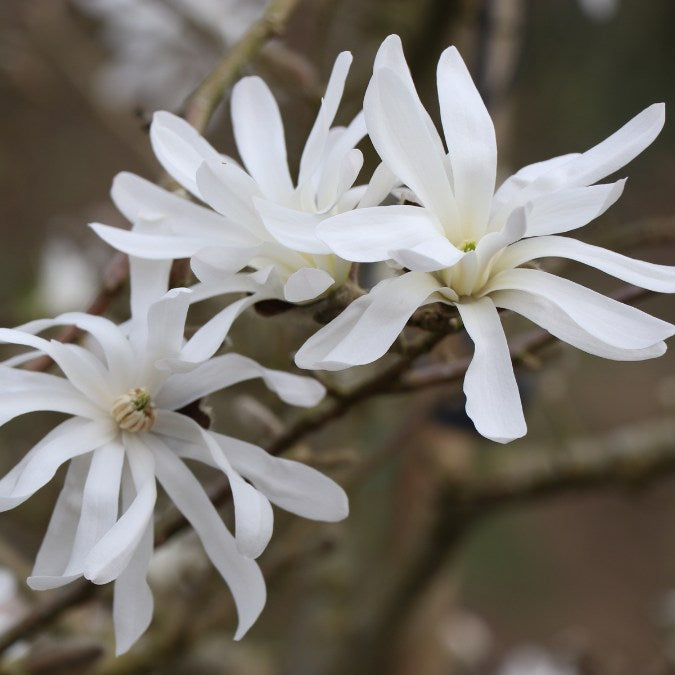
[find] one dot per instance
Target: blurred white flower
(600, 10)
(66, 278)
(472, 247)
(160, 51)
(533, 660)
(124, 394)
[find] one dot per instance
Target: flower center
(133, 410)
(469, 246)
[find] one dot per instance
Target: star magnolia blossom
(260, 218)
(126, 432)
(470, 248)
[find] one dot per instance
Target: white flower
(260, 219)
(124, 394)
(466, 247)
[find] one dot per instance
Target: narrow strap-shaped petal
(99, 503)
(259, 134)
(371, 234)
(144, 202)
(659, 278)
(470, 137)
(111, 555)
(313, 151)
(180, 149)
(550, 317)
(132, 597)
(368, 327)
(492, 398)
(209, 337)
(570, 208)
(337, 178)
(382, 182)
(74, 437)
(241, 574)
(612, 322)
(508, 191)
(396, 122)
(55, 550)
(291, 485)
(152, 246)
(229, 369)
(609, 155)
(494, 242)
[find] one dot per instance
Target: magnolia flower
(124, 394)
(261, 218)
(467, 247)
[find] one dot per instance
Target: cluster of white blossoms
(259, 232)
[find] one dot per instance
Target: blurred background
(577, 583)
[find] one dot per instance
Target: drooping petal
(292, 228)
(492, 398)
(306, 284)
(180, 149)
(111, 555)
(368, 327)
(427, 256)
(571, 208)
(71, 438)
(610, 321)
(259, 134)
(132, 597)
(99, 503)
(398, 127)
(550, 317)
(166, 325)
(371, 234)
(55, 550)
(229, 369)
(470, 137)
(659, 278)
(291, 485)
(241, 574)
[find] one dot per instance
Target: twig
(204, 100)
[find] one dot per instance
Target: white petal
(433, 254)
(209, 337)
(337, 178)
(370, 234)
(111, 555)
(470, 136)
(316, 141)
(241, 574)
(306, 284)
(224, 371)
(291, 485)
(180, 149)
(148, 281)
(292, 228)
(259, 134)
(492, 398)
(550, 317)
(253, 518)
(508, 191)
(368, 327)
(74, 437)
(152, 246)
(571, 208)
(398, 127)
(659, 278)
(166, 324)
(144, 203)
(230, 191)
(382, 182)
(99, 503)
(132, 597)
(494, 242)
(56, 547)
(611, 154)
(610, 321)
